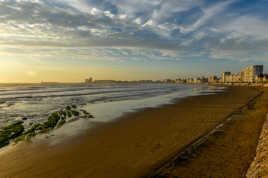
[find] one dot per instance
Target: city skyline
(68, 41)
(210, 78)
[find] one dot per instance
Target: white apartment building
(250, 74)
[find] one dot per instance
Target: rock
(259, 166)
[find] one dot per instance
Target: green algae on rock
(10, 132)
(16, 132)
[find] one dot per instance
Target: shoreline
(35, 111)
(131, 145)
(62, 134)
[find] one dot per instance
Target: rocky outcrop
(259, 167)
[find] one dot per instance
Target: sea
(105, 102)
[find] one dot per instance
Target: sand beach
(139, 144)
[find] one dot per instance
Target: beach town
(251, 75)
(218, 132)
(133, 89)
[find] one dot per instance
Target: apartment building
(250, 74)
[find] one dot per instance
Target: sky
(70, 40)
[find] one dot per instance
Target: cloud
(244, 39)
(68, 18)
(247, 26)
(208, 13)
(133, 28)
(93, 53)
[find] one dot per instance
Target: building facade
(250, 74)
(225, 76)
(212, 79)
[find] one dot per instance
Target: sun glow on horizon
(68, 41)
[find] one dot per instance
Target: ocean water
(104, 102)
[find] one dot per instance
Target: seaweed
(74, 106)
(90, 116)
(32, 130)
(86, 114)
(13, 130)
(69, 113)
(68, 108)
(10, 132)
(84, 111)
(62, 121)
(75, 113)
(20, 138)
(3, 140)
(63, 113)
(52, 120)
(17, 133)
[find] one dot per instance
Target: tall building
(196, 80)
(225, 76)
(212, 79)
(250, 74)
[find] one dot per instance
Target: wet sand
(131, 146)
(228, 152)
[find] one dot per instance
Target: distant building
(190, 80)
(89, 80)
(225, 76)
(180, 81)
(250, 74)
(204, 79)
(197, 80)
(168, 81)
(265, 78)
(212, 79)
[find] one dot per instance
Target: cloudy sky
(69, 40)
